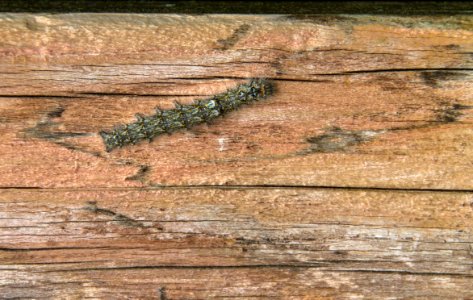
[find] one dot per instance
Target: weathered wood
(400, 96)
(353, 180)
(226, 282)
(90, 241)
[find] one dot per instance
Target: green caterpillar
(186, 116)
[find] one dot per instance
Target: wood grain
(359, 103)
(278, 238)
(354, 180)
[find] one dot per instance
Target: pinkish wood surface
(354, 180)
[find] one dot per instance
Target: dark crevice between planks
(431, 76)
(40, 96)
(342, 73)
(323, 265)
(398, 70)
(297, 9)
(6, 249)
(137, 95)
(241, 187)
(323, 187)
(194, 267)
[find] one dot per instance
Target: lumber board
(222, 283)
(352, 180)
(265, 241)
(379, 102)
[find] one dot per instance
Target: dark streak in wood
(449, 113)
(225, 44)
(140, 174)
(434, 78)
(162, 293)
(337, 139)
(120, 218)
(43, 130)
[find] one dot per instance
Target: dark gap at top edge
(241, 7)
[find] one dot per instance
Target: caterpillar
(186, 115)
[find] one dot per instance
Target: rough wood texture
(353, 180)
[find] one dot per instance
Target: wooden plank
(247, 283)
(408, 231)
(361, 101)
(352, 181)
(242, 242)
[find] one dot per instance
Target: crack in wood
(323, 264)
(394, 70)
(6, 249)
(248, 186)
(138, 95)
(342, 73)
(40, 96)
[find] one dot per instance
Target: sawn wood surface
(353, 180)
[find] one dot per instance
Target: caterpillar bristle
(139, 117)
(178, 105)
